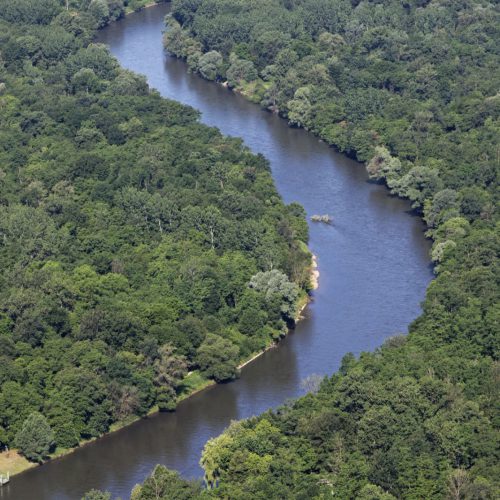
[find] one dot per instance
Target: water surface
(374, 270)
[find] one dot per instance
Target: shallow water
(374, 270)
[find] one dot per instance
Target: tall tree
(36, 438)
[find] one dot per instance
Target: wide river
(373, 262)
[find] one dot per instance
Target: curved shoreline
(121, 425)
(314, 276)
(25, 465)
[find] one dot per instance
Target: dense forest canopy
(410, 88)
(416, 80)
(136, 244)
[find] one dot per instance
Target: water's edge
(120, 425)
(374, 270)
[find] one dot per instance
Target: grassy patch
(137, 5)
(253, 91)
(120, 424)
(194, 382)
(303, 247)
(14, 463)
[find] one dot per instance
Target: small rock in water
(322, 218)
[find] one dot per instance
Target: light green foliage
(443, 206)
(440, 248)
(300, 107)
(179, 44)
(97, 495)
(384, 166)
(35, 438)
(275, 283)
(128, 232)
(166, 485)
(209, 65)
(373, 492)
(240, 71)
(418, 185)
(85, 79)
(170, 369)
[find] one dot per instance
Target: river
(373, 262)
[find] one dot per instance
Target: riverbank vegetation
(136, 245)
(410, 88)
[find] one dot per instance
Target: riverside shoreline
(14, 463)
(344, 282)
(147, 6)
(18, 464)
(314, 276)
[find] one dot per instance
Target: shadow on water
(374, 270)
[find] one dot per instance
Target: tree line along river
(373, 263)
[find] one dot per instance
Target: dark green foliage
(97, 495)
(35, 438)
(411, 89)
(129, 233)
(217, 358)
(29, 11)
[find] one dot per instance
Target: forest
(411, 89)
(142, 254)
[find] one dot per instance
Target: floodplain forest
(143, 255)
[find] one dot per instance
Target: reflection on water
(373, 263)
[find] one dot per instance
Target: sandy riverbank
(314, 273)
(314, 285)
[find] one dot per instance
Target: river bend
(373, 262)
